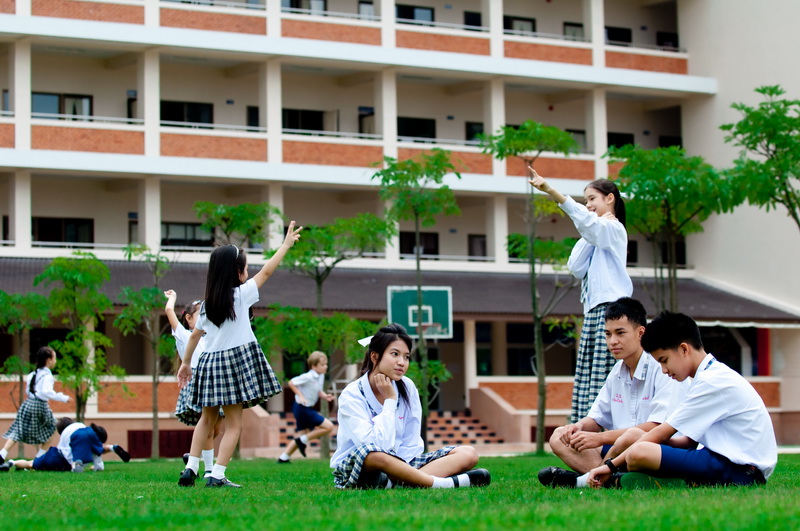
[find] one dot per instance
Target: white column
(386, 110)
(499, 349)
(91, 402)
(149, 217)
(273, 18)
(470, 358)
(23, 8)
(596, 130)
(594, 26)
(492, 18)
(148, 100)
(20, 94)
(494, 115)
(20, 210)
(274, 196)
(497, 228)
(152, 13)
(271, 100)
(386, 11)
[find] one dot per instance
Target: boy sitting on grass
(721, 411)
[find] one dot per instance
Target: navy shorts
(52, 460)
(306, 418)
(604, 450)
(704, 467)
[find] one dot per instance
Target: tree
(771, 134)
(528, 142)
(75, 298)
(140, 315)
(243, 224)
(415, 191)
(671, 195)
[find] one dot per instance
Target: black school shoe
(286, 462)
(120, 451)
(224, 482)
(478, 477)
(553, 476)
(187, 478)
(300, 445)
(372, 480)
(5, 467)
(185, 459)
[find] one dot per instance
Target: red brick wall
(88, 11)
(181, 18)
(560, 168)
(463, 161)
(330, 32)
(213, 147)
(9, 399)
(614, 168)
(138, 399)
(525, 395)
(671, 65)
(770, 393)
(91, 140)
(544, 52)
(442, 43)
(331, 154)
(7, 6)
(7, 135)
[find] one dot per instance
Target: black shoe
(2, 460)
(224, 482)
(187, 478)
(478, 477)
(185, 459)
(284, 462)
(300, 446)
(5, 467)
(553, 476)
(373, 480)
(120, 451)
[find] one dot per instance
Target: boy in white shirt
(721, 411)
(307, 389)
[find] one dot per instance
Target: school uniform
(35, 423)
(233, 368)
(725, 414)
(186, 411)
(366, 425)
(79, 442)
(599, 260)
(310, 384)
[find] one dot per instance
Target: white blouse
(43, 388)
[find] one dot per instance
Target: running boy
(721, 411)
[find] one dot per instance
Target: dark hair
(379, 343)
(627, 307)
(669, 330)
(62, 423)
(189, 309)
(605, 187)
(42, 355)
(100, 432)
(227, 263)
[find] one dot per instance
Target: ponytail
(42, 355)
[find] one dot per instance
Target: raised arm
(169, 309)
(540, 184)
(292, 235)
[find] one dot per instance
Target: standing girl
(598, 259)
(379, 442)
(233, 372)
(35, 423)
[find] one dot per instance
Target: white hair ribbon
(365, 341)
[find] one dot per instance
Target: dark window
(70, 104)
(680, 253)
(303, 119)
(187, 111)
(416, 127)
(667, 39)
(472, 130)
(416, 13)
(366, 120)
(252, 116)
(315, 6)
(573, 31)
(472, 18)
(73, 230)
(476, 244)
(185, 235)
(6, 103)
(667, 140)
(633, 252)
(620, 36)
(6, 229)
(619, 139)
(428, 240)
(521, 24)
(579, 135)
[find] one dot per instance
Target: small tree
(415, 191)
(245, 224)
(75, 297)
(771, 134)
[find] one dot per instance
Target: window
(429, 242)
(418, 14)
(618, 36)
(633, 252)
(519, 24)
(315, 6)
(472, 19)
(70, 104)
(187, 111)
(573, 31)
(366, 120)
(366, 9)
(185, 235)
(252, 116)
(472, 130)
(680, 253)
(6, 103)
(579, 135)
(416, 127)
(667, 39)
(303, 119)
(667, 140)
(73, 230)
(619, 139)
(476, 244)
(6, 228)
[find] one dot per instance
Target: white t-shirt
(725, 414)
(310, 384)
(649, 396)
(43, 388)
(181, 336)
(393, 426)
(232, 333)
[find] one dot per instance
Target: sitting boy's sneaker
(224, 482)
(78, 467)
(186, 459)
(120, 451)
(284, 461)
(187, 478)
(553, 476)
(478, 477)
(640, 481)
(300, 446)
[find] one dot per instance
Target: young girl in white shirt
(599, 259)
(233, 372)
(379, 444)
(35, 423)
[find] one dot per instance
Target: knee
(376, 460)
(468, 454)
(630, 436)
(327, 425)
(555, 441)
(640, 456)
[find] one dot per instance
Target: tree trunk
(155, 451)
(324, 409)
(541, 372)
(423, 351)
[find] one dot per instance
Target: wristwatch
(611, 466)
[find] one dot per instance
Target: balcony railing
(221, 3)
(333, 134)
(647, 46)
(443, 25)
(8, 114)
(87, 118)
(216, 127)
(447, 141)
(79, 245)
(542, 35)
(335, 14)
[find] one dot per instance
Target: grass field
(301, 496)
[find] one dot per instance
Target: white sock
(389, 484)
(442, 483)
(463, 480)
(582, 481)
(208, 459)
(218, 471)
(39, 453)
(284, 456)
(193, 463)
(3, 453)
(304, 438)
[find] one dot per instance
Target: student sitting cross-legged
(635, 398)
(721, 411)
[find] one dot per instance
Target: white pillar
(148, 100)
(20, 210)
(271, 101)
(386, 110)
(149, 216)
(274, 193)
(20, 94)
(91, 402)
(23, 8)
(386, 11)
(492, 18)
(596, 130)
(494, 116)
(499, 349)
(594, 27)
(497, 228)
(273, 18)
(470, 358)
(152, 13)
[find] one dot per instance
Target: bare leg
(398, 470)
(459, 460)
(580, 462)
(204, 426)
(23, 463)
(644, 457)
(9, 444)
(323, 429)
(624, 441)
(233, 429)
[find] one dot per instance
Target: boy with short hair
(307, 390)
(721, 411)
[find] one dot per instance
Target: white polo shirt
(725, 414)
(310, 384)
(649, 396)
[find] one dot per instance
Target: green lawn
(302, 496)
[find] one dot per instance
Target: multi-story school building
(118, 115)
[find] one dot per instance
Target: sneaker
(5, 467)
(284, 462)
(478, 477)
(185, 459)
(640, 481)
(78, 467)
(187, 478)
(553, 476)
(120, 451)
(373, 480)
(224, 482)
(300, 446)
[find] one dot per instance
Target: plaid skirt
(594, 362)
(239, 375)
(185, 411)
(34, 424)
(346, 473)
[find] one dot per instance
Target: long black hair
(379, 343)
(42, 355)
(189, 309)
(605, 187)
(226, 265)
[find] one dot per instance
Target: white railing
(445, 25)
(10, 114)
(447, 141)
(221, 3)
(87, 118)
(218, 127)
(333, 134)
(541, 35)
(79, 245)
(335, 14)
(646, 46)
